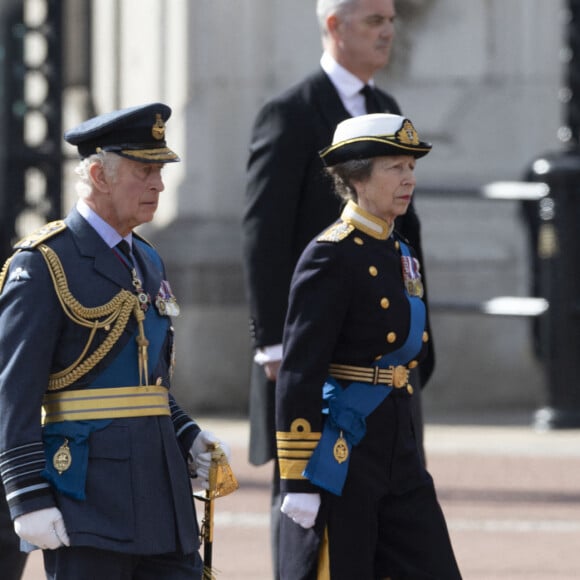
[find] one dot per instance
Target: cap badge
(407, 134)
(158, 129)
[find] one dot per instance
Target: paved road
(511, 496)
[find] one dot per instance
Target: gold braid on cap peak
(113, 315)
(160, 154)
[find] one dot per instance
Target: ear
(332, 25)
(98, 177)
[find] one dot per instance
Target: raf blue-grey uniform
(124, 486)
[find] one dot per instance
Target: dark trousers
(91, 564)
(310, 539)
(307, 541)
(401, 538)
(276, 514)
(12, 560)
(387, 523)
(405, 536)
(263, 447)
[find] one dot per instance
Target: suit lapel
(323, 96)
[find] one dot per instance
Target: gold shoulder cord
(112, 316)
(4, 271)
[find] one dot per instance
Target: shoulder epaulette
(41, 235)
(336, 232)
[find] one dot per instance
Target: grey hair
(108, 161)
(343, 175)
(324, 8)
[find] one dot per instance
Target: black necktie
(144, 299)
(371, 102)
(125, 249)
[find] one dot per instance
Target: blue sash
(348, 408)
(123, 371)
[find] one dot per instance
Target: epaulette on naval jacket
(336, 232)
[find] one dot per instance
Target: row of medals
(165, 302)
(411, 276)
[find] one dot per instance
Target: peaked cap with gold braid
(137, 133)
(375, 135)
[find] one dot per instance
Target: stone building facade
(480, 79)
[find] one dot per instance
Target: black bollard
(556, 265)
(555, 249)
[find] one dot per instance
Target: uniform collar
(366, 222)
(105, 231)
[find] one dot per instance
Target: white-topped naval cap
(374, 135)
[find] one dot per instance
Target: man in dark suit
(288, 198)
(102, 484)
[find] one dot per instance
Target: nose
(388, 30)
(156, 182)
(409, 178)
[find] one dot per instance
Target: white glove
(301, 508)
(200, 455)
(43, 528)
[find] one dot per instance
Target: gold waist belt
(393, 376)
(109, 403)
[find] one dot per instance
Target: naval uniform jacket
(347, 306)
(289, 200)
(138, 493)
